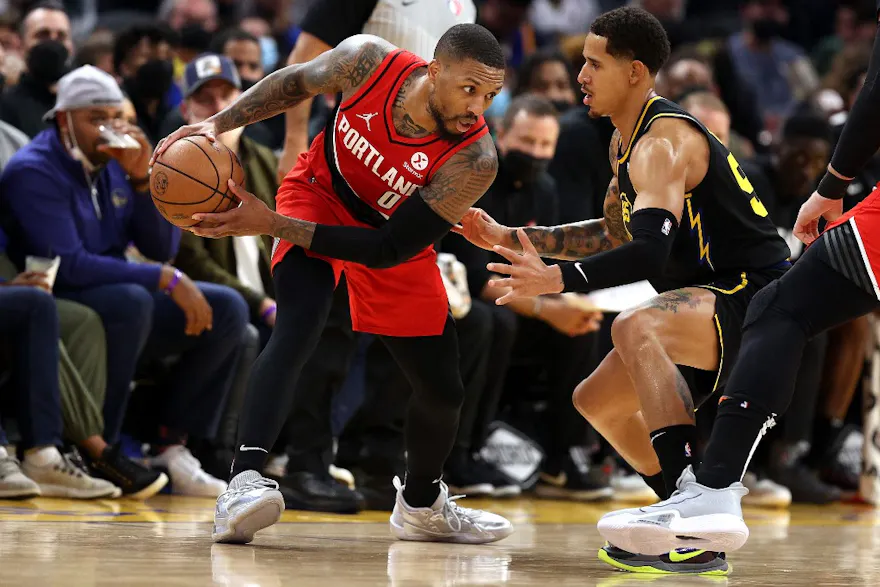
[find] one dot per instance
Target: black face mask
(766, 29)
(524, 167)
(561, 106)
(47, 61)
(153, 79)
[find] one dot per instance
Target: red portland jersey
(362, 157)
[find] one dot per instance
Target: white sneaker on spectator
(765, 493)
(632, 488)
(58, 476)
(186, 473)
(13, 483)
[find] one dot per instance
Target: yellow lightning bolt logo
(696, 224)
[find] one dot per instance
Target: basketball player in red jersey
(403, 158)
(833, 282)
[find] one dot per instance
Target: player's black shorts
(732, 297)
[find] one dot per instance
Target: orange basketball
(192, 176)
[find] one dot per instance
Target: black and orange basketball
(192, 176)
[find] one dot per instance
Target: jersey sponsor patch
(667, 227)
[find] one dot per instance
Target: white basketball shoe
(446, 521)
(250, 504)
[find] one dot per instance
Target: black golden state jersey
(724, 229)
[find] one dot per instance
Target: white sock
(3, 453)
(42, 457)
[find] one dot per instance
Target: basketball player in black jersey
(833, 282)
(680, 213)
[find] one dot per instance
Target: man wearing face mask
(548, 327)
(45, 32)
(142, 58)
(779, 71)
(67, 194)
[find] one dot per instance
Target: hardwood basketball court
(166, 541)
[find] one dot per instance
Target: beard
(444, 122)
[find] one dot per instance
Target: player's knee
(633, 326)
(590, 401)
(768, 310)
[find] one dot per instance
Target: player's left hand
(806, 227)
(529, 276)
(251, 218)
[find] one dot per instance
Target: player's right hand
(481, 230)
(205, 128)
(187, 295)
(806, 227)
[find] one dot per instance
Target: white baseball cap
(85, 87)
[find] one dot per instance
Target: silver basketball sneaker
(250, 504)
(446, 521)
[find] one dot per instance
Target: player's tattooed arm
(299, 232)
(580, 239)
(462, 180)
(341, 69)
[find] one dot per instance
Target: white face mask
(74, 149)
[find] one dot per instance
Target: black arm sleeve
(412, 227)
(860, 138)
(644, 257)
(333, 21)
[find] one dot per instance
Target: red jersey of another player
(864, 219)
(357, 172)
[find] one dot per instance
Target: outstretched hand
(529, 276)
(481, 229)
(252, 217)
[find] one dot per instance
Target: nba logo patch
(667, 227)
(455, 7)
(687, 449)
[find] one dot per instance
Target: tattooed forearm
(298, 232)
(339, 70)
(462, 180)
(569, 241)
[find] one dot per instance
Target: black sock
(739, 426)
(420, 492)
(676, 447)
(656, 483)
(825, 432)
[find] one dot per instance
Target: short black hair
(55, 5)
(470, 41)
(131, 37)
(807, 124)
(533, 63)
(218, 44)
(634, 33)
(531, 104)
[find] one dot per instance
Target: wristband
(269, 311)
(833, 187)
(173, 283)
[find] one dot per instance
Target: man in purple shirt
(67, 194)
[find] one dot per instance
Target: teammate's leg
(303, 291)
(430, 363)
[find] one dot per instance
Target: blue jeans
(148, 325)
(29, 325)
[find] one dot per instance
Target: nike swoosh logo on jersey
(656, 436)
(581, 271)
(244, 448)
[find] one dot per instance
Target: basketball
(191, 176)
